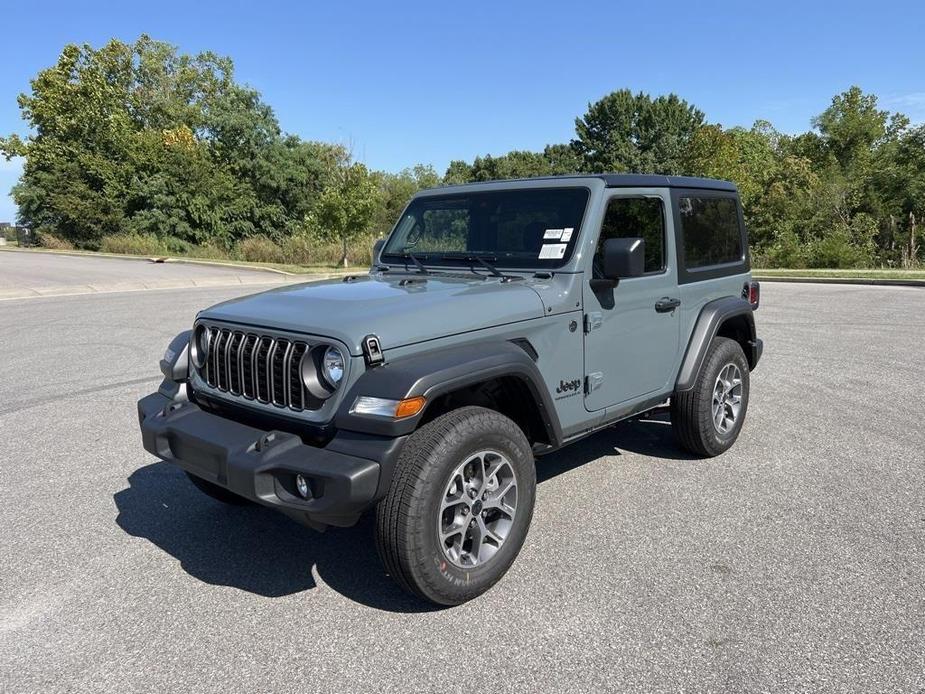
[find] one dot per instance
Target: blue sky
(407, 83)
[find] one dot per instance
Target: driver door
(631, 345)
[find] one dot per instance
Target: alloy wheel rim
(477, 509)
(727, 398)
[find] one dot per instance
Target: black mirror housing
(377, 248)
(624, 258)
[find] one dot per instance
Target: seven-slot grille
(257, 367)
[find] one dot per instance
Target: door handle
(666, 304)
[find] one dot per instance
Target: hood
(398, 311)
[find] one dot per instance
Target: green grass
(868, 274)
(282, 267)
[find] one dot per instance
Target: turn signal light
(384, 407)
(754, 294)
(409, 407)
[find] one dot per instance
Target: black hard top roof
(628, 180)
(645, 180)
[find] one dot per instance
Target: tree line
(139, 143)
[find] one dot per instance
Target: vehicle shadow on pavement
(253, 548)
(261, 551)
(651, 437)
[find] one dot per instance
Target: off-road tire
(216, 492)
(406, 519)
(691, 411)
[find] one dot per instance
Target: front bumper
(262, 465)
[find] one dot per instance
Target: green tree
(851, 127)
(627, 132)
(395, 190)
(345, 208)
(136, 137)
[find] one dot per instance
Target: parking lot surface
(35, 274)
(796, 561)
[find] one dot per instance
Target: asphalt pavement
(29, 274)
(794, 562)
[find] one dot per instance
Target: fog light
(301, 485)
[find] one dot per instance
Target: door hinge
(593, 320)
(593, 381)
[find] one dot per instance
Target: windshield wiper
(413, 258)
(471, 259)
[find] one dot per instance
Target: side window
(635, 217)
(710, 227)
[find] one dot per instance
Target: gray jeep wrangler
(500, 322)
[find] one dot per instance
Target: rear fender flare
(711, 318)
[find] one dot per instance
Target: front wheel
(459, 506)
(707, 418)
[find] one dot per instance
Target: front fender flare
(435, 373)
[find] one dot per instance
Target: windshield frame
(437, 259)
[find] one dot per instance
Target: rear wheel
(216, 492)
(708, 418)
(459, 507)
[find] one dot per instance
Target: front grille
(257, 367)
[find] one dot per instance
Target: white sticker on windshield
(566, 234)
(553, 251)
(552, 234)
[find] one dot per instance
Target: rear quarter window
(710, 229)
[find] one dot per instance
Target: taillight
(753, 290)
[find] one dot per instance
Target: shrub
(305, 249)
(260, 249)
(786, 251)
(133, 244)
(838, 250)
(47, 240)
(177, 246)
(300, 249)
(210, 251)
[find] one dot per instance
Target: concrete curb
(885, 282)
(187, 261)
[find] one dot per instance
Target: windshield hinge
(593, 320)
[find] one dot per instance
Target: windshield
(526, 228)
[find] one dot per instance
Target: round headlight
(332, 366)
(200, 346)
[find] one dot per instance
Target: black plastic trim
(711, 317)
(439, 372)
(257, 464)
(527, 347)
(178, 368)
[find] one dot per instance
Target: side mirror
(620, 259)
(377, 248)
(624, 258)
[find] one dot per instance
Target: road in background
(27, 274)
(796, 561)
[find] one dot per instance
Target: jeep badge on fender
(431, 388)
